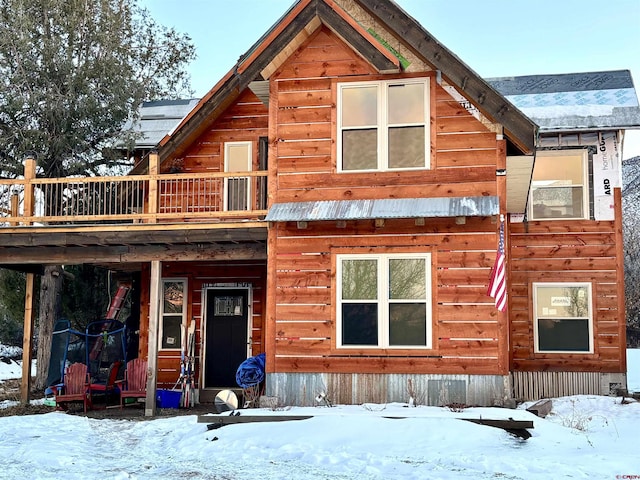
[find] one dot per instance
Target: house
(155, 119)
(338, 201)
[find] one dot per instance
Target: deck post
(154, 167)
(15, 204)
(25, 386)
(29, 176)
(152, 347)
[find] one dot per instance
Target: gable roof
(301, 20)
(574, 101)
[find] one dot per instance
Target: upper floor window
(563, 318)
(384, 301)
(383, 125)
(560, 186)
(237, 158)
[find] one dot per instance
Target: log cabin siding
(465, 325)
(467, 337)
(567, 251)
(247, 119)
(305, 139)
(199, 274)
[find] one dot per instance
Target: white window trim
(585, 185)
(383, 160)
(162, 312)
(226, 169)
(536, 339)
(383, 300)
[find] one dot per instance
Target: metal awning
(384, 208)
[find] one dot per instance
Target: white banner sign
(607, 175)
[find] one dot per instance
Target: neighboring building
(335, 201)
(155, 119)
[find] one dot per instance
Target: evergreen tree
(71, 73)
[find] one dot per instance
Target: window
(560, 187)
(384, 301)
(173, 313)
(237, 158)
(383, 125)
(563, 319)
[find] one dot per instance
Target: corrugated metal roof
(574, 101)
(384, 208)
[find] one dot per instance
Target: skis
(188, 399)
(187, 364)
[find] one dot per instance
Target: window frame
(586, 186)
(164, 315)
(382, 124)
(588, 317)
(250, 149)
(383, 301)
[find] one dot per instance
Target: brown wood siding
(467, 337)
(199, 274)
(465, 323)
(246, 120)
(304, 107)
(567, 251)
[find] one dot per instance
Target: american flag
(498, 282)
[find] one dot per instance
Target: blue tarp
(251, 371)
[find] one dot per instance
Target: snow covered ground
(585, 437)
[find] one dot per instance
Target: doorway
(227, 335)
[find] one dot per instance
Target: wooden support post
(622, 319)
(29, 176)
(152, 348)
(505, 350)
(154, 198)
(15, 202)
(25, 386)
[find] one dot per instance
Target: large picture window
(383, 125)
(563, 318)
(174, 310)
(384, 301)
(560, 187)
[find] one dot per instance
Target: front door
(226, 343)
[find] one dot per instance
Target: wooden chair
(135, 380)
(75, 387)
(110, 387)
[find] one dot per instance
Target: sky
(496, 38)
(584, 436)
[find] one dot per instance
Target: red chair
(75, 388)
(135, 380)
(110, 388)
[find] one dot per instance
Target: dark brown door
(226, 342)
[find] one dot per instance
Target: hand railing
(147, 198)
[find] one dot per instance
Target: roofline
(519, 128)
(250, 65)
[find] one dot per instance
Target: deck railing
(147, 198)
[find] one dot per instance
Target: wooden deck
(161, 198)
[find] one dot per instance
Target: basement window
(560, 187)
(174, 310)
(384, 301)
(563, 318)
(383, 125)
